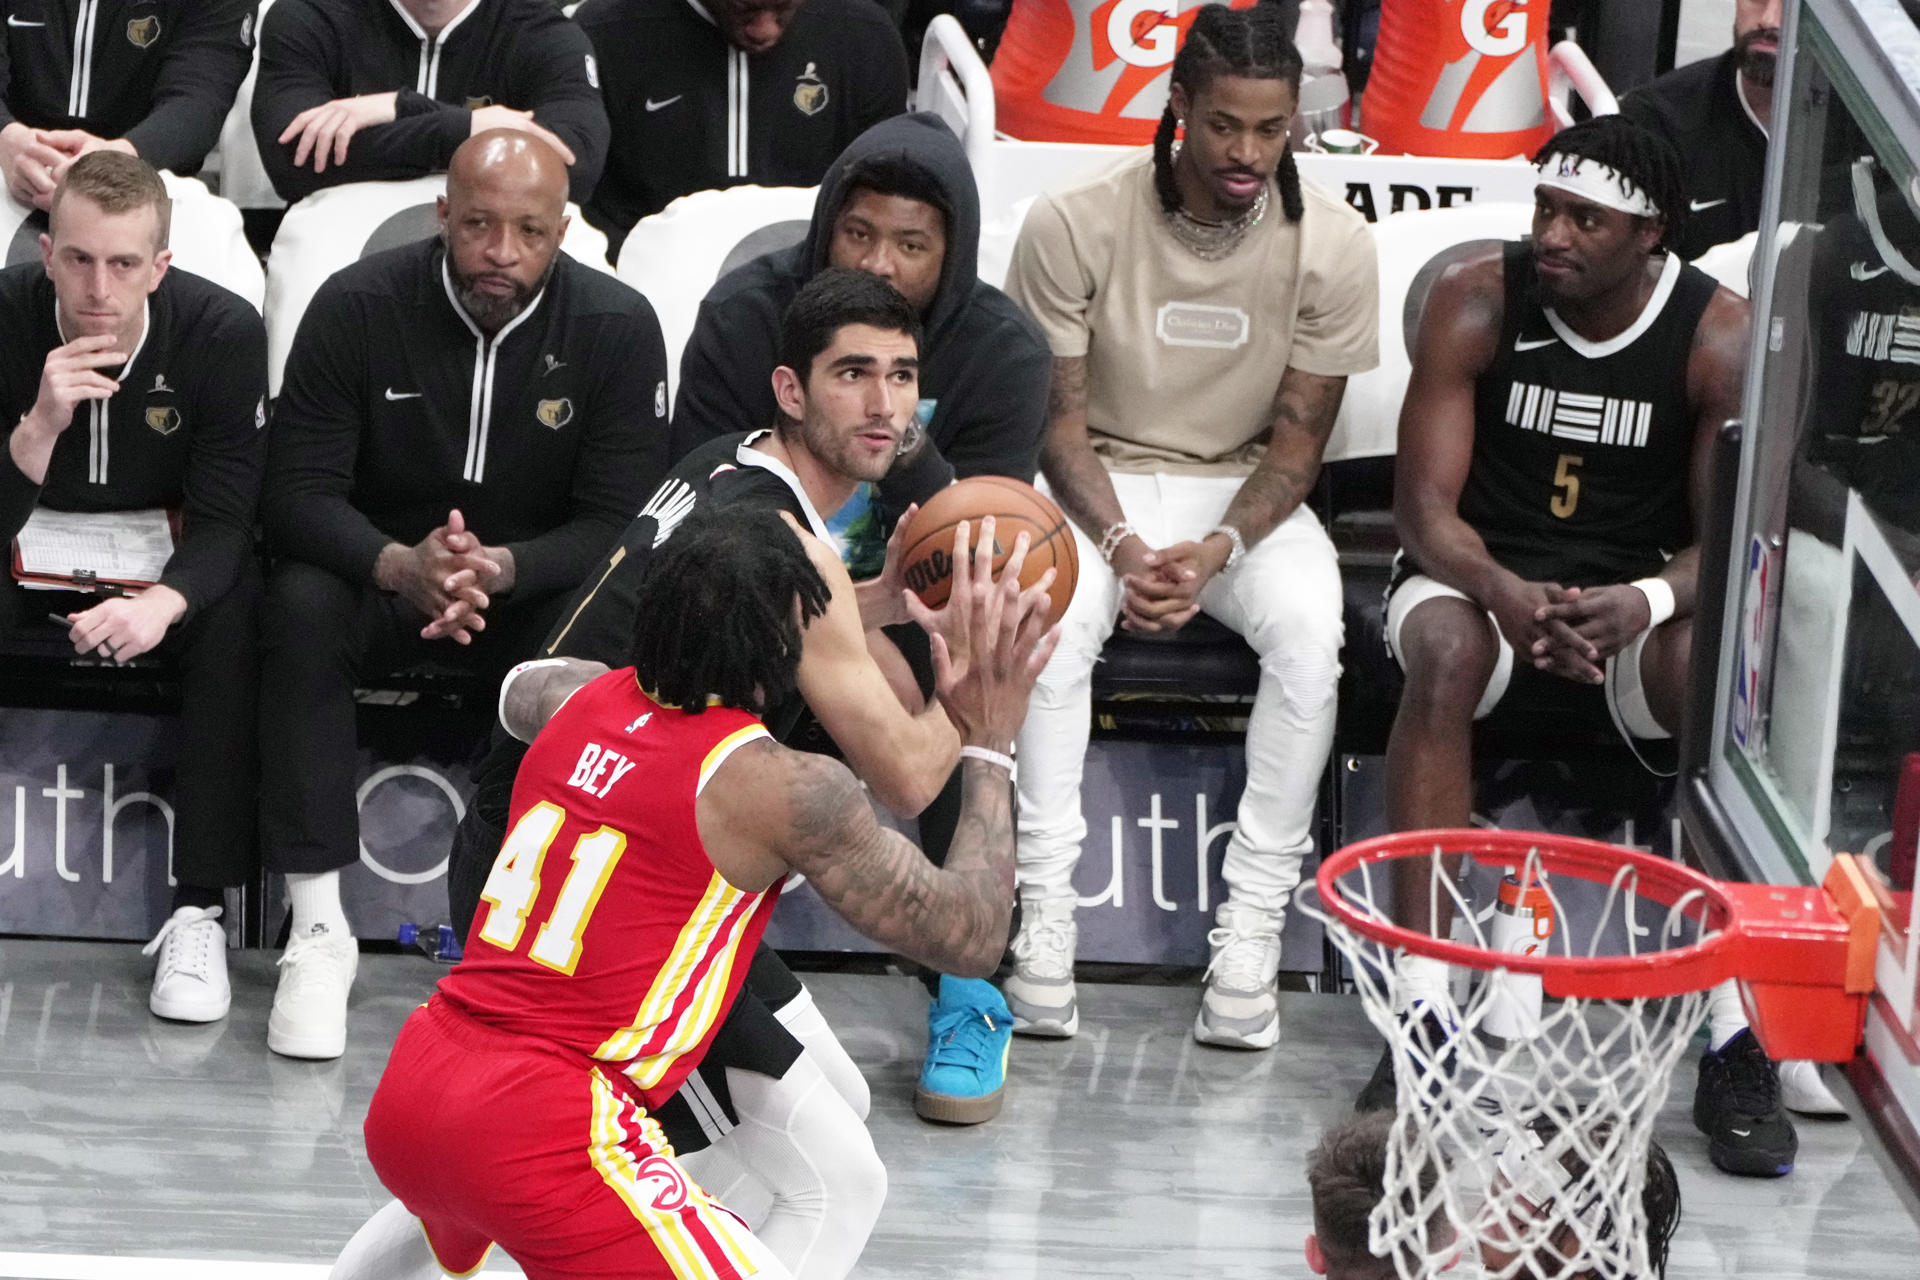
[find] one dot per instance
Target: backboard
(1804, 736)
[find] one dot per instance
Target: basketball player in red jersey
(515, 1108)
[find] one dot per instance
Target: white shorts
(1626, 694)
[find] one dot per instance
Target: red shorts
(489, 1137)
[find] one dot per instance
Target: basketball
(1014, 506)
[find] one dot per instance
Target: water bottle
(437, 943)
(1522, 925)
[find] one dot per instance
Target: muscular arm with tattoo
(1304, 409)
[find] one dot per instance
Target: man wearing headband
(1552, 475)
(1537, 1175)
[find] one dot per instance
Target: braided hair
(715, 614)
(1254, 43)
(1638, 154)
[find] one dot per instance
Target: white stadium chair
(243, 179)
(1732, 263)
(207, 237)
(675, 256)
(1370, 414)
(338, 226)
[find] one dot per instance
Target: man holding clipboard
(139, 398)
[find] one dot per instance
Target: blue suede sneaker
(965, 1074)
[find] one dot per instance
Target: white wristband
(1659, 594)
(1000, 758)
(507, 683)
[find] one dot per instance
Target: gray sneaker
(1040, 992)
(1240, 1008)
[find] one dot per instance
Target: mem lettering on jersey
(1879, 335)
(1571, 415)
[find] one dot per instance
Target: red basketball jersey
(603, 926)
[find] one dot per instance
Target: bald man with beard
(463, 430)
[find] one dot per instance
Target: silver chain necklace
(1212, 241)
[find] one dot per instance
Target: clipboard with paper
(111, 551)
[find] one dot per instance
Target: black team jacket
(514, 53)
(160, 73)
(186, 429)
(396, 410)
(1722, 151)
(693, 113)
(984, 366)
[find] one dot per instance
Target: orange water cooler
(1459, 78)
(1089, 70)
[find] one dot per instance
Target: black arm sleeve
(881, 87)
(302, 66)
(196, 87)
(622, 456)
(726, 372)
(306, 505)
(225, 466)
(551, 79)
(6, 72)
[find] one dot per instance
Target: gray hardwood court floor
(1129, 1151)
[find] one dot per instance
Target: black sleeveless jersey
(1581, 450)
(1864, 412)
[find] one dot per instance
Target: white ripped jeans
(1284, 598)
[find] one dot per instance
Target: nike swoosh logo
(1697, 205)
(15, 22)
(1861, 271)
(1741, 1133)
(1521, 344)
(403, 395)
(665, 102)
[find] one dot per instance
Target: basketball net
(1525, 1153)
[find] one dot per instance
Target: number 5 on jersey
(514, 884)
(1567, 482)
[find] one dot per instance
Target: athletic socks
(1423, 981)
(316, 901)
(1725, 1016)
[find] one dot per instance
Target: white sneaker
(1040, 993)
(309, 1018)
(1240, 1008)
(190, 979)
(1802, 1090)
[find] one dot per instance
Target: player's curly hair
(1255, 43)
(1640, 155)
(720, 609)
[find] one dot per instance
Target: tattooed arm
(1304, 408)
(768, 809)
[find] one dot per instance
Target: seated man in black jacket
(379, 90)
(135, 386)
(465, 426)
(152, 78)
(713, 93)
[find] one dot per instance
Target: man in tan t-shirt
(1202, 341)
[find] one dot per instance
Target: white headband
(1601, 183)
(1539, 1177)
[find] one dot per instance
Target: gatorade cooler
(1089, 70)
(1461, 78)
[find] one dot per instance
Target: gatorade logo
(1495, 28)
(1138, 32)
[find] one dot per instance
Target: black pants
(214, 782)
(319, 637)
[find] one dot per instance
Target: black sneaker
(1737, 1105)
(1378, 1095)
